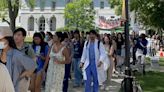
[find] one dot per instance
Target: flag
(123, 11)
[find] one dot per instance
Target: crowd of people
(51, 60)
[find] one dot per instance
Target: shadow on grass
(152, 82)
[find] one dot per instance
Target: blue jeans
(77, 72)
(91, 73)
(66, 77)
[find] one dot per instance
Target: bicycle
(135, 84)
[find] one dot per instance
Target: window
(102, 5)
(19, 19)
(53, 5)
(42, 4)
(53, 24)
(42, 24)
(92, 5)
(31, 24)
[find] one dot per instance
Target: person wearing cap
(18, 64)
(92, 59)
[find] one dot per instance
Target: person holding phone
(57, 58)
(41, 51)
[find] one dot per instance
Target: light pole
(128, 80)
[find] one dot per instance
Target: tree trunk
(13, 12)
(12, 23)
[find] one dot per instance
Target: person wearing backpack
(92, 59)
(19, 37)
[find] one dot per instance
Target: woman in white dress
(58, 57)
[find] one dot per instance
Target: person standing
(41, 50)
(6, 84)
(58, 57)
(141, 51)
(92, 58)
(110, 50)
(120, 46)
(20, 66)
(68, 44)
(78, 47)
(19, 37)
(49, 38)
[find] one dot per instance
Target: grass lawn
(152, 82)
(161, 62)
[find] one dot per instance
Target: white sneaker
(107, 89)
(102, 87)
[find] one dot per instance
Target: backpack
(26, 50)
(98, 44)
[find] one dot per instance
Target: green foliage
(149, 12)
(117, 5)
(32, 3)
(3, 5)
(80, 14)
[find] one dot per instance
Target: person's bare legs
(114, 59)
(109, 73)
(32, 83)
(38, 82)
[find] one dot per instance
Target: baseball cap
(5, 32)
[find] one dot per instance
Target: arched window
(53, 24)
(31, 24)
(42, 24)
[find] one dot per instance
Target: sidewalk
(114, 86)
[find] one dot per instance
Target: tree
(12, 6)
(79, 13)
(117, 5)
(148, 12)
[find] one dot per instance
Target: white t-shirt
(6, 84)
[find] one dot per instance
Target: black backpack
(26, 50)
(98, 44)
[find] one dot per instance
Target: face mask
(47, 38)
(2, 45)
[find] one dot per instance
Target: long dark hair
(42, 43)
(60, 35)
(110, 40)
(122, 39)
(11, 42)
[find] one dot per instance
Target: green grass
(152, 82)
(161, 62)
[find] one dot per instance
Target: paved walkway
(114, 86)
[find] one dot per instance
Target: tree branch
(16, 8)
(4, 20)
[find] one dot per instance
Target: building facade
(48, 15)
